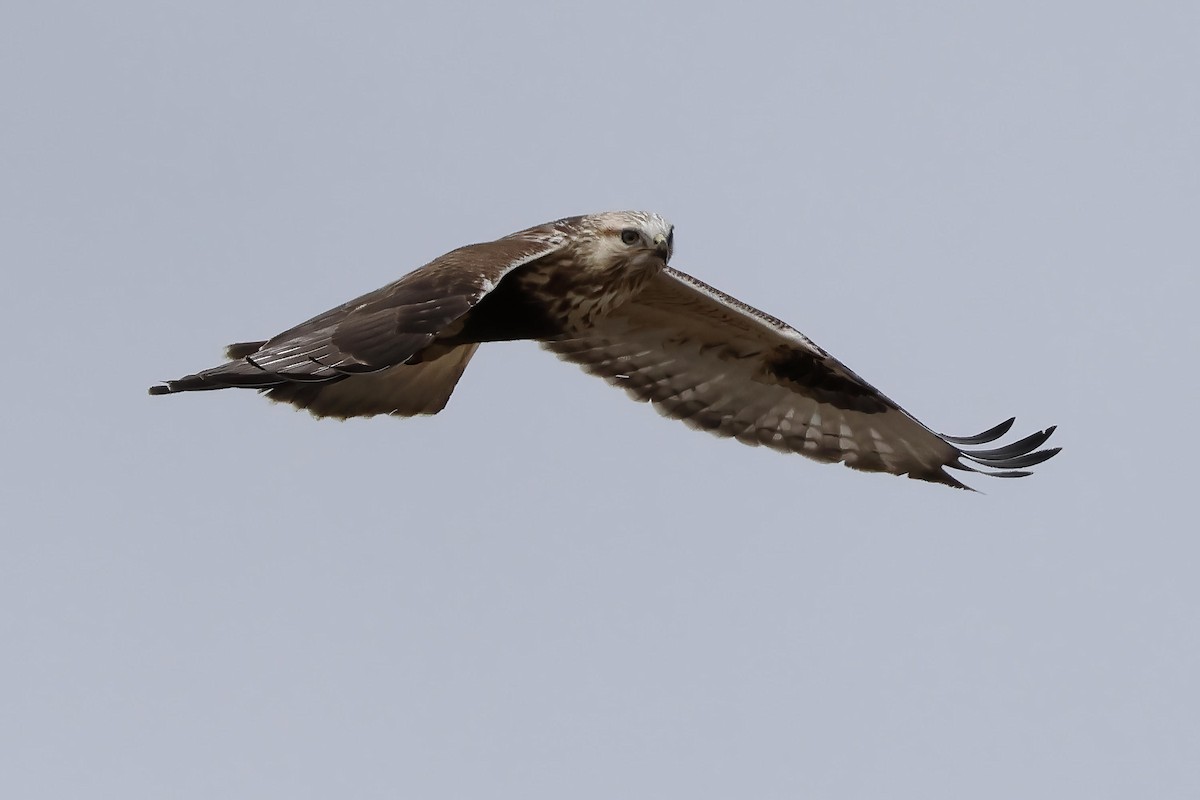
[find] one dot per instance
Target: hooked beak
(663, 244)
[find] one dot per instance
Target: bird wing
(379, 330)
(706, 358)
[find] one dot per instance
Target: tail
(403, 390)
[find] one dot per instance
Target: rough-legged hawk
(597, 290)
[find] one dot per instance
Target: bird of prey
(596, 290)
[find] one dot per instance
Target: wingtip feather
(990, 435)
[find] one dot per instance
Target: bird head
(636, 239)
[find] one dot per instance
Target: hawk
(596, 290)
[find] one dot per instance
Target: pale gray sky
(548, 591)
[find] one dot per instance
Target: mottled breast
(577, 298)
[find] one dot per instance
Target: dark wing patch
(703, 357)
(812, 374)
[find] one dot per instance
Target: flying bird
(597, 291)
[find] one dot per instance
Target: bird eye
(630, 236)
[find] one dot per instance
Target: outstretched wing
(356, 353)
(703, 357)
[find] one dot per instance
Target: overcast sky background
(549, 591)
